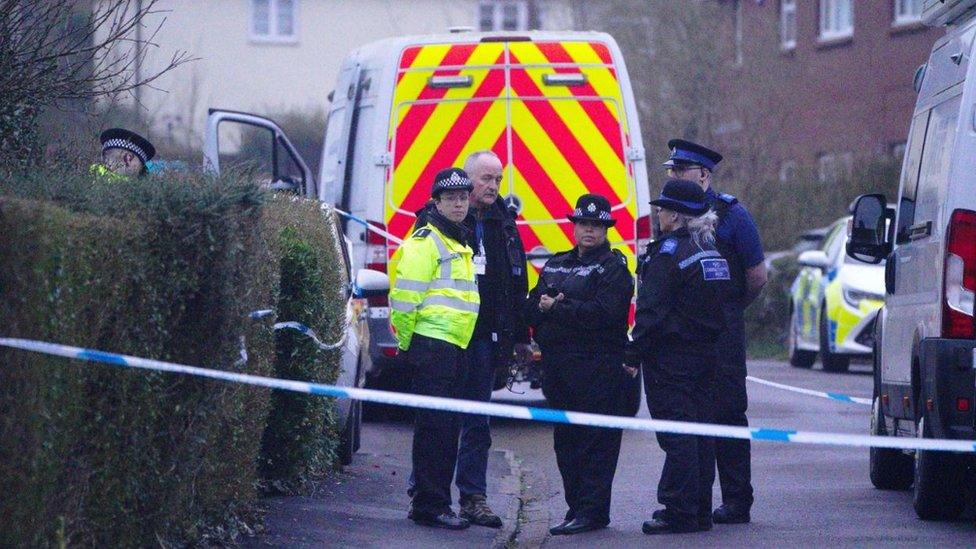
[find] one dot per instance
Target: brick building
(820, 84)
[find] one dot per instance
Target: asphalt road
(805, 495)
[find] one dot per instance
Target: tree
(53, 51)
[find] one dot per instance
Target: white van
(556, 107)
(924, 376)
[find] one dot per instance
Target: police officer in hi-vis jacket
(433, 309)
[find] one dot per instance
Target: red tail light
(643, 232)
(376, 258)
(959, 285)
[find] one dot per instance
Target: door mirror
(869, 235)
(814, 258)
(257, 148)
(370, 283)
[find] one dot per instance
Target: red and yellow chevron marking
(565, 140)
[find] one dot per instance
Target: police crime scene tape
(832, 396)
(494, 409)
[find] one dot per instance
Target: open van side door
(255, 145)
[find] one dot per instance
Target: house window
(907, 12)
(787, 171)
(274, 20)
(503, 15)
(836, 19)
(834, 168)
(787, 24)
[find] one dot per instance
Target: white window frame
(907, 12)
(787, 32)
(497, 7)
(830, 28)
(273, 36)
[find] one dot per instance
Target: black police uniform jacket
(592, 317)
(503, 287)
(681, 289)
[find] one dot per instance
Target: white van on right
(924, 377)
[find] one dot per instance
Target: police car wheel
(937, 494)
(890, 469)
(798, 357)
(832, 362)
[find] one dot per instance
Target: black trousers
(679, 388)
(586, 456)
(733, 456)
(438, 369)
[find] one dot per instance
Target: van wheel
(349, 441)
(890, 469)
(937, 489)
(798, 357)
(832, 362)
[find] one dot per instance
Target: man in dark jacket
(499, 263)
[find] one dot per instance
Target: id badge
(479, 264)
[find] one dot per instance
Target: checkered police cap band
(603, 215)
(127, 145)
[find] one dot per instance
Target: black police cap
(683, 196)
(119, 138)
(450, 179)
(592, 207)
(685, 152)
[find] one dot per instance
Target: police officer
(124, 153)
(683, 280)
(499, 263)
(738, 239)
(579, 312)
(433, 309)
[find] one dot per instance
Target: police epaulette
(421, 233)
(727, 198)
(668, 247)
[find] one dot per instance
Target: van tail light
(376, 259)
(643, 233)
(959, 285)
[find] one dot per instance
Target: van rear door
(568, 138)
(449, 101)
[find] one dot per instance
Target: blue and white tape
(498, 410)
(298, 326)
(387, 235)
(293, 325)
(832, 396)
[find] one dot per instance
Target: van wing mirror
(370, 283)
(869, 239)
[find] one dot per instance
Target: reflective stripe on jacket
(433, 292)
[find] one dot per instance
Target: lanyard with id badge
(480, 259)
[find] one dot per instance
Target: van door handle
(956, 58)
(919, 230)
(889, 275)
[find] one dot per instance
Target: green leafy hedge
(162, 268)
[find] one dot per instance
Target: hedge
(162, 268)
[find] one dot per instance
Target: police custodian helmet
(450, 179)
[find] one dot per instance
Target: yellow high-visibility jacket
(434, 292)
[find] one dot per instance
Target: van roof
(398, 43)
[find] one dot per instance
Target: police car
(833, 304)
